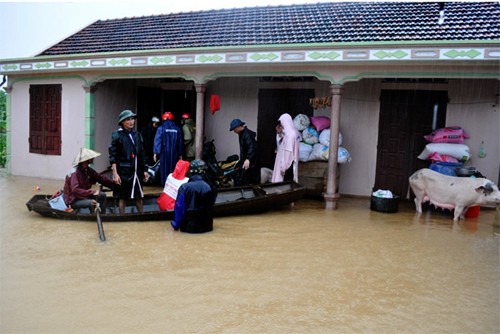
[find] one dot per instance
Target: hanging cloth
(214, 103)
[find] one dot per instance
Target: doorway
(155, 101)
(272, 104)
(406, 116)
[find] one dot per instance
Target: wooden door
(405, 117)
(272, 104)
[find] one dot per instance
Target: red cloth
(214, 103)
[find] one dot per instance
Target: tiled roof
(308, 23)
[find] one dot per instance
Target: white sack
(304, 151)
(301, 122)
(310, 135)
(460, 152)
(320, 152)
(324, 137)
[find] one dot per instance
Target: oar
(99, 222)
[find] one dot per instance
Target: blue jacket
(169, 144)
(194, 206)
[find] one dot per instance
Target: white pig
(450, 192)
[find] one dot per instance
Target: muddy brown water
(298, 269)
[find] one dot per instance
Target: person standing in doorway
(148, 135)
(168, 145)
(128, 162)
(286, 162)
(250, 168)
(189, 131)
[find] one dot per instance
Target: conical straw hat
(84, 155)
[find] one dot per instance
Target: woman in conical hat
(85, 154)
(78, 192)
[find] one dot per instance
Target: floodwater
(299, 269)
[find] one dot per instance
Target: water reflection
(294, 270)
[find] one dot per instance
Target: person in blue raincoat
(195, 202)
(169, 145)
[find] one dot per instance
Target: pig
(450, 192)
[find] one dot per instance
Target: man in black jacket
(128, 162)
(250, 169)
(195, 201)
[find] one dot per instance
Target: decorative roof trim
(336, 55)
(343, 45)
(347, 78)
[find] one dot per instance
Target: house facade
(384, 73)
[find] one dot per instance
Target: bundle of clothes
(315, 139)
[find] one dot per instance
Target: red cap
(186, 115)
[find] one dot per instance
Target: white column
(200, 119)
(331, 195)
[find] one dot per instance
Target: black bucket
(386, 205)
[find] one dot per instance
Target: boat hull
(230, 201)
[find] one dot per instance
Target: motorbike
(154, 174)
(220, 173)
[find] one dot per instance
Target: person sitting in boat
(79, 180)
(195, 202)
(166, 201)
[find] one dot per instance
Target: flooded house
(385, 73)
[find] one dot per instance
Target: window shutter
(45, 119)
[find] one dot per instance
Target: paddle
(99, 223)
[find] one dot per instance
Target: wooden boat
(230, 201)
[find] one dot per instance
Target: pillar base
(331, 201)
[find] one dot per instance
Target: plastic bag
(304, 151)
(321, 152)
(57, 201)
(451, 134)
(301, 122)
(320, 122)
(324, 137)
(383, 193)
(310, 135)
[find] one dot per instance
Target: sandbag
(320, 122)
(452, 134)
(301, 122)
(310, 135)
(461, 152)
(324, 137)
